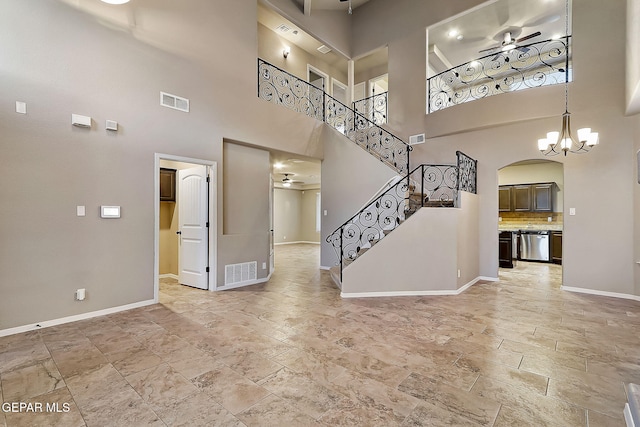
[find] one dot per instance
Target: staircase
(425, 186)
(282, 88)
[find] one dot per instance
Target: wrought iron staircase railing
(374, 107)
(426, 185)
(282, 88)
(533, 65)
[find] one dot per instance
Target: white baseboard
(168, 276)
(296, 243)
(323, 267)
(600, 293)
(75, 318)
(628, 417)
(411, 293)
(489, 279)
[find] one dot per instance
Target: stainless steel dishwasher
(534, 245)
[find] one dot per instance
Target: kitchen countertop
(533, 227)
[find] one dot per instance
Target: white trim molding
(600, 293)
(296, 243)
(412, 293)
(75, 318)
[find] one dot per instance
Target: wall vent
(175, 102)
(324, 49)
(283, 28)
(237, 274)
(416, 139)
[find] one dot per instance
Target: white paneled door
(193, 215)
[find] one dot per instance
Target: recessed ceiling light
(116, 1)
(278, 165)
(453, 33)
(459, 37)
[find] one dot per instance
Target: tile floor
(518, 352)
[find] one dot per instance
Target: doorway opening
(318, 79)
(185, 221)
(531, 218)
(295, 203)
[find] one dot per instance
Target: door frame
(335, 82)
(325, 76)
(212, 168)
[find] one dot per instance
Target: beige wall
(270, 46)
(331, 27)
(503, 129)
(423, 255)
(294, 215)
(61, 61)
(308, 231)
(246, 187)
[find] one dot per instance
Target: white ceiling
(484, 27)
(306, 170)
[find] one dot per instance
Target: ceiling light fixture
(564, 141)
(350, 9)
(116, 1)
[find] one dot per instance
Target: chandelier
(564, 141)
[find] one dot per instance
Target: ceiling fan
(509, 43)
(286, 182)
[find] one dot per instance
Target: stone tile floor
(518, 352)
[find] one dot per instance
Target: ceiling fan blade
(489, 49)
(530, 36)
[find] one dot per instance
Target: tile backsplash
(523, 220)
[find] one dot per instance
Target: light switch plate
(110, 211)
(111, 125)
(572, 211)
(21, 107)
(81, 211)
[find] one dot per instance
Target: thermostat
(110, 211)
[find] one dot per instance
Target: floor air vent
(175, 102)
(237, 274)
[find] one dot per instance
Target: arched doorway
(530, 220)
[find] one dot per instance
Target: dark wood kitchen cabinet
(167, 185)
(556, 247)
(526, 197)
(505, 249)
(504, 198)
(521, 198)
(542, 195)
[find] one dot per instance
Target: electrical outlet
(458, 273)
(264, 265)
(549, 219)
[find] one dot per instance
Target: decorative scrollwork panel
(280, 87)
(533, 65)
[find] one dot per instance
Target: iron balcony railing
(373, 107)
(426, 185)
(282, 88)
(533, 65)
